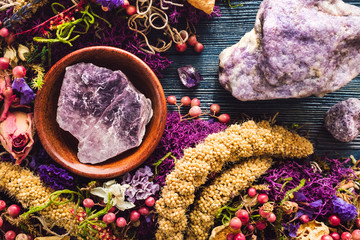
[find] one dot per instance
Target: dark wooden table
(216, 35)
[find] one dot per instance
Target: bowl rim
(114, 172)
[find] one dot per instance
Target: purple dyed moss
(56, 178)
(111, 4)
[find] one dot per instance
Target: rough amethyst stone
(189, 76)
(103, 110)
(297, 48)
(342, 120)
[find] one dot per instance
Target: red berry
(230, 236)
(13, 210)
(19, 72)
(4, 63)
(252, 192)
(192, 40)
(126, 4)
(346, 236)
(335, 236)
(1, 222)
(195, 102)
(150, 201)
(112, 209)
(334, 220)
(263, 213)
(261, 225)
(215, 108)
(109, 217)
(134, 216)
(250, 228)
(198, 48)
(181, 47)
(144, 211)
(271, 218)
(2, 205)
(357, 223)
(186, 101)
(88, 203)
(356, 234)
(130, 10)
(326, 237)
(4, 32)
(224, 118)
(263, 198)
(10, 235)
(121, 222)
(304, 218)
(240, 236)
(195, 111)
(171, 100)
(235, 223)
(243, 215)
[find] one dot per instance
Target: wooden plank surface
(217, 34)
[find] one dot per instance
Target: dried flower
(117, 192)
(10, 53)
(111, 4)
(346, 211)
(23, 52)
(27, 94)
(140, 186)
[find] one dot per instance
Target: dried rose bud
(189, 76)
(289, 207)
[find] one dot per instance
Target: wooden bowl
(62, 146)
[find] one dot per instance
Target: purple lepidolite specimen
(103, 110)
(297, 48)
(343, 120)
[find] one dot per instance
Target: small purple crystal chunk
(189, 76)
(103, 110)
(342, 120)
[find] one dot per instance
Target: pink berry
(22, 236)
(252, 192)
(121, 222)
(144, 211)
(356, 234)
(195, 102)
(230, 236)
(13, 210)
(240, 236)
(130, 10)
(243, 215)
(261, 225)
(235, 223)
(150, 201)
(4, 63)
(10, 235)
(134, 216)
(109, 217)
(88, 203)
(19, 72)
(271, 218)
(335, 236)
(192, 40)
(250, 228)
(224, 118)
(263, 198)
(304, 218)
(126, 4)
(4, 32)
(198, 48)
(357, 223)
(186, 101)
(181, 47)
(334, 220)
(112, 209)
(171, 100)
(263, 213)
(2, 205)
(326, 237)
(346, 236)
(1, 222)
(195, 111)
(215, 108)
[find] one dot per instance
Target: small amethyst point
(189, 76)
(342, 120)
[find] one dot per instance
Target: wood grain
(217, 34)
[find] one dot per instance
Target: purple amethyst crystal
(189, 76)
(103, 110)
(342, 120)
(297, 48)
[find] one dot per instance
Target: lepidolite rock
(298, 48)
(343, 120)
(103, 110)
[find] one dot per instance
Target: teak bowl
(62, 146)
